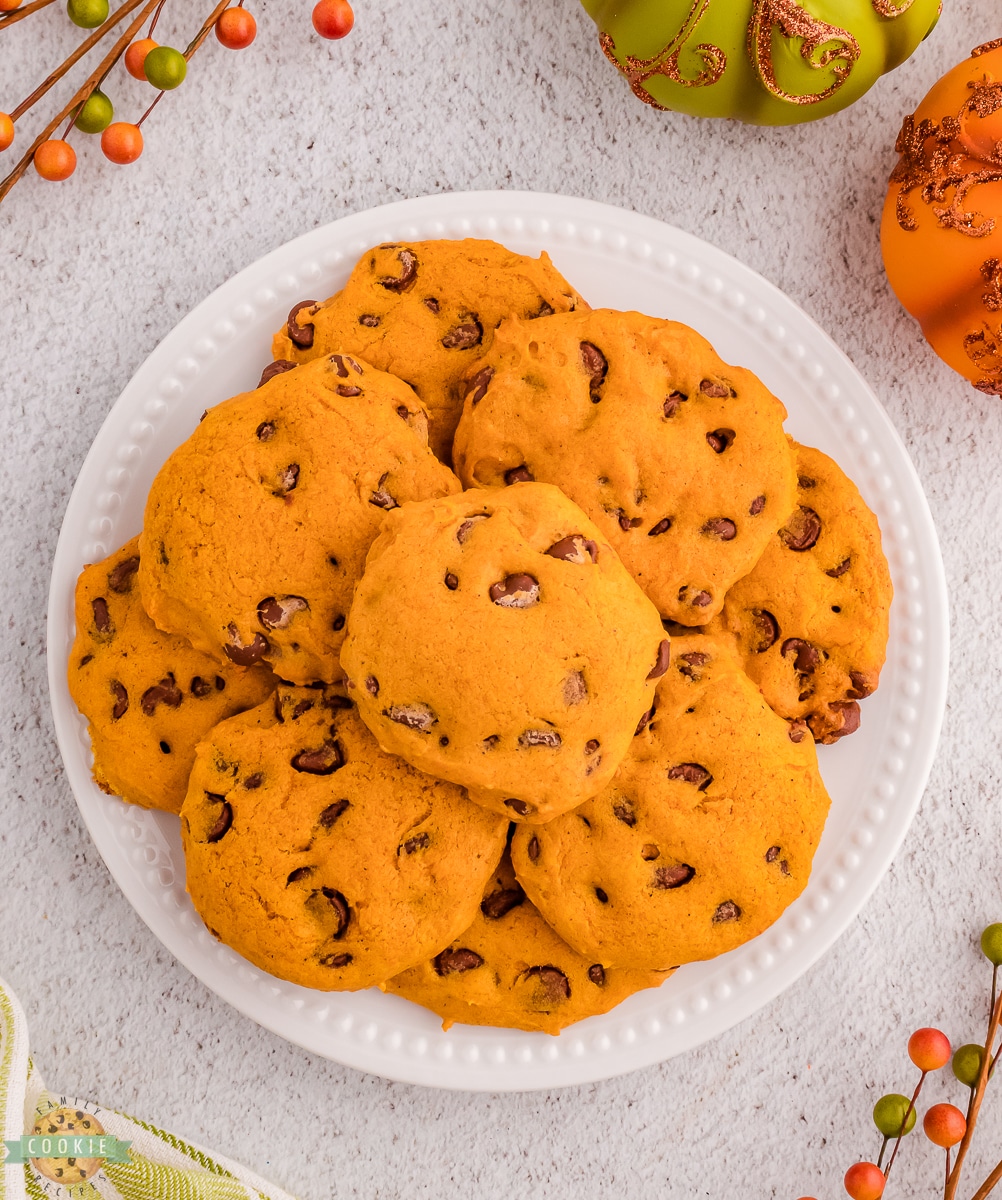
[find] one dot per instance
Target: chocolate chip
(451, 581)
(667, 878)
(465, 336)
(381, 498)
(443, 740)
(476, 388)
(802, 530)
(797, 731)
(165, 692)
(431, 304)
(575, 549)
(601, 895)
(85, 660)
(343, 389)
(756, 506)
(277, 611)
(253, 782)
(721, 527)
(335, 960)
(644, 721)
(165, 748)
(329, 816)
(720, 439)
(466, 528)
(519, 806)
(555, 983)
(650, 852)
(302, 707)
(575, 689)
(325, 760)
(662, 660)
(301, 332)
(278, 367)
(627, 523)
(369, 320)
(772, 853)
(515, 591)
(661, 527)
(545, 310)
(689, 595)
(420, 841)
(596, 973)
(454, 962)
(372, 685)
(288, 479)
(673, 402)
(120, 577)
(806, 656)
(220, 683)
(412, 716)
(862, 686)
(806, 482)
(492, 742)
(692, 773)
(520, 474)
(848, 713)
(533, 848)
(622, 810)
(409, 265)
(338, 623)
(840, 570)
(711, 387)
(223, 821)
(339, 907)
(298, 875)
(245, 654)
(199, 687)
(498, 904)
(121, 700)
(596, 368)
(767, 628)
(728, 911)
(102, 618)
(541, 737)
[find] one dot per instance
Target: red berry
(236, 28)
(864, 1181)
(944, 1125)
(929, 1049)
(55, 160)
(333, 19)
(122, 142)
(6, 129)
(135, 57)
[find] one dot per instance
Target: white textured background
(258, 147)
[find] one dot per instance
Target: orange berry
(944, 1125)
(864, 1181)
(9, 5)
(55, 160)
(236, 28)
(333, 19)
(929, 1049)
(122, 142)
(6, 129)
(135, 57)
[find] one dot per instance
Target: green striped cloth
(159, 1165)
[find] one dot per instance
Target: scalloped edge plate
(876, 778)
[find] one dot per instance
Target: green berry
(88, 14)
(96, 114)
(165, 68)
(967, 1063)
(991, 944)
(889, 1115)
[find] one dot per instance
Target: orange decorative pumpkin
(942, 226)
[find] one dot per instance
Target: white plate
(876, 777)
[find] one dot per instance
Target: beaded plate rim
(389, 1036)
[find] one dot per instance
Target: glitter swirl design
(823, 46)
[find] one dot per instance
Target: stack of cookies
(484, 648)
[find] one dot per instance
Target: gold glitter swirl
(985, 47)
(666, 62)
(886, 8)
(823, 46)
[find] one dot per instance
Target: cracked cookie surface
(257, 526)
(148, 697)
(704, 837)
(425, 311)
(679, 458)
(496, 640)
(319, 858)
(811, 620)
(511, 970)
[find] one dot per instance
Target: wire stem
(20, 13)
(904, 1123)
(207, 27)
(977, 1095)
(989, 1184)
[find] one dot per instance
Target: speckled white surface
(256, 148)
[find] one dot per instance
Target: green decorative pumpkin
(768, 62)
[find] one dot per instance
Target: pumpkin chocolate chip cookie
(510, 969)
(425, 311)
(704, 837)
(148, 696)
(319, 858)
(811, 619)
(678, 458)
(257, 526)
(496, 640)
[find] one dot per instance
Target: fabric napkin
(143, 1163)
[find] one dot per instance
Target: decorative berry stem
(977, 1095)
(989, 1184)
(20, 13)
(207, 27)
(904, 1124)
